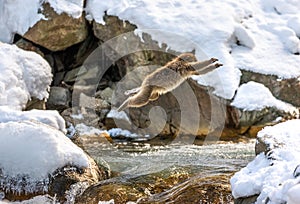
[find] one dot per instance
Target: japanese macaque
(167, 78)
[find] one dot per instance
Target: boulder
(287, 90)
(42, 160)
(59, 98)
(58, 31)
(177, 185)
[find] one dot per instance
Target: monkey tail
(124, 105)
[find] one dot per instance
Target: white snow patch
(88, 130)
(73, 8)
(255, 96)
(33, 151)
(23, 74)
(113, 113)
(273, 177)
(42, 199)
(210, 26)
(49, 117)
(15, 19)
(114, 132)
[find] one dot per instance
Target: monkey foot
(218, 65)
(213, 59)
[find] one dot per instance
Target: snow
(113, 113)
(45, 199)
(52, 150)
(88, 130)
(15, 19)
(267, 37)
(49, 117)
(273, 176)
(24, 74)
(114, 132)
(73, 8)
(255, 96)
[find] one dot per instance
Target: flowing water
(136, 159)
(208, 169)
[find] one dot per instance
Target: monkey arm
(202, 64)
(206, 69)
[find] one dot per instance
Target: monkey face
(187, 57)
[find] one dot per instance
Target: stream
(168, 174)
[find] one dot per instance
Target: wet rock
(175, 186)
(59, 98)
(287, 90)
(58, 31)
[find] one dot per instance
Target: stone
(177, 186)
(105, 94)
(58, 31)
(61, 180)
(112, 28)
(26, 45)
(59, 98)
(287, 90)
(35, 103)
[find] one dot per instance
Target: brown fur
(167, 78)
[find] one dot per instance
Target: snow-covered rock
(15, 19)
(38, 159)
(239, 33)
(33, 151)
(49, 117)
(255, 96)
(272, 174)
(23, 74)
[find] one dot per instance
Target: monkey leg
(202, 64)
(132, 91)
(154, 96)
(138, 100)
(209, 68)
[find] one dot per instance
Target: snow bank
(49, 117)
(249, 35)
(255, 96)
(15, 19)
(23, 74)
(275, 176)
(32, 151)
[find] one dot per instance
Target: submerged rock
(171, 185)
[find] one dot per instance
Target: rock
(26, 45)
(58, 32)
(76, 116)
(105, 94)
(35, 103)
(162, 187)
(287, 90)
(112, 28)
(32, 171)
(247, 200)
(59, 98)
